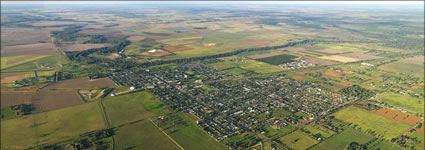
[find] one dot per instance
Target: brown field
(360, 56)
(297, 77)
(321, 62)
(417, 59)
(84, 83)
(258, 43)
(294, 49)
(331, 51)
(8, 78)
(348, 72)
(9, 98)
(27, 49)
(136, 38)
(46, 100)
(22, 36)
(421, 130)
(348, 83)
(333, 74)
(158, 53)
(258, 56)
(396, 115)
(82, 47)
(177, 48)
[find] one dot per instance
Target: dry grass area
(396, 115)
(83, 83)
(339, 58)
(258, 56)
(348, 83)
(321, 62)
(333, 74)
(52, 23)
(177, 48)
(258, 43)
(359, 56)
(82, 47)
(27, 49)
(209, 44)
(136, 38)
(331, 51)
(417, 59)
(297, 77)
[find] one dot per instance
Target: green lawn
(384, 145)
(402, 101)
(370, 121)
(279, 113)
(341, 140)
(50, 127)
(316, 129)
(298, 140)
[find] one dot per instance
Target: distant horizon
(217, 2)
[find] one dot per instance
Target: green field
(341, 140)
(384, 145)
(298, 140)
(370, 121)
(279, 113)
(131, 112)
(50, 127)
(419, 137)
(405, 66)
(236, 71)
(316, 129)
(278, 59)
(270, 132)
(342, 47)
(402, 101)
(40, 63)
(247, 64)
(11, 61)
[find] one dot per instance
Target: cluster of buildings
(229, 106)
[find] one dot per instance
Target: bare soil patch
(156, 53)
(209, 44)
(333, 73)
(258, 56)
(27, 49)
(417, 59)
(396, 115)
(359, 56)
(177, 48)
(321, 62)
(136, 38)
(8, 78)
(84, 83)
(9, 98)
(46, 100)
(421, 130)
(297, 77)
(82, 47)
(348, 83)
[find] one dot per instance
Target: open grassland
(50, 127)
(341, 140)
(384, 145)
(342, 47)
(133, 111)
(298, 140)
(236, 71)
(11, 61)
(419, 137)
(402, 101)
(316, 129)
(142, 135)
(190, 136)
(270, 131)
(83, 83)
(405, 66)
(48, 63)
(339, 58)
(247, 64)
(366, 120)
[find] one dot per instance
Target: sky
(247, 2)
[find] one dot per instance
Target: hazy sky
(248, 2)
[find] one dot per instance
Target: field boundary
(169, 137)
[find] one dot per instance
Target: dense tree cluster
(358, 92)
